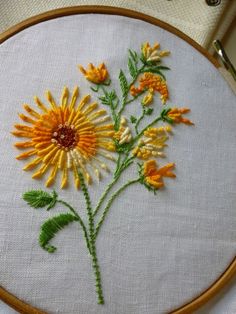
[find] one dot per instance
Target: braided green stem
(106, 209)
(92, 240)
(79, 220)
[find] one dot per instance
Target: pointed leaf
(133, 119)
(39, 198)
(162, 67)
(132, 68)
(51, 227)
(123, 83)
(134, 56)
(149, 111)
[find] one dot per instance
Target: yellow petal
(83, 102)
(64, 181)
(32, 164)
(52, 176)
(40, 104)
(74, 97)
(64, 97)
(41, 171)
(50, 99)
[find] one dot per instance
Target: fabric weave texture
(156, 252)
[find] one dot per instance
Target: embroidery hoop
(10, 299)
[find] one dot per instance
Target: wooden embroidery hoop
(6, 296)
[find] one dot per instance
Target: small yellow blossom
(154, 176)
(148, 99)
(94, 74)
(153, 53)
(124, 134)
(153, 143)
(175, 114)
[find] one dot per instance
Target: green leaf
(132, 68)
(162, 67)
(51, 227)
(133, 119)
(142, 59)
(164, 116)
(94, 89)
(104, 100)
(134, 56)
(149, 111)
(40, 199)
(123, 83)
(112, 95)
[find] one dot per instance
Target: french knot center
(65, 136)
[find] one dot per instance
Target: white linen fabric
(156, 252)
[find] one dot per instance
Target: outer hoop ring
(9, 298)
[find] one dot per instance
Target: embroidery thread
(67, 137)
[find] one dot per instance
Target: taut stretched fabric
(156, 252)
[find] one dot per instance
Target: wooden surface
(6, 296)
(104, 10)
(17, 304)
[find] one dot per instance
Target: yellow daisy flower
(65, 137)
(152, 143)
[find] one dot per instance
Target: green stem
(113, 109)
(95, 264)
(104, 195)
(139, 120)
(103, 89)
(144, 129)
(106, 209)
(119, 169)
(125, 101)
(79, 220)
(117, 163)
(135, 97)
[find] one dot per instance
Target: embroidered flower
(174, 115)
(153, 82)
(65, 137)
(153, 54)
(124, 134)
(134, 91)
(97, 75)
(153, 176)
(152, 144)
(148, 99)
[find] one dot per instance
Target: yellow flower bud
(148, 99)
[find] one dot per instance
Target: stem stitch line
(69, 137)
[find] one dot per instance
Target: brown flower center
(64, 136)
